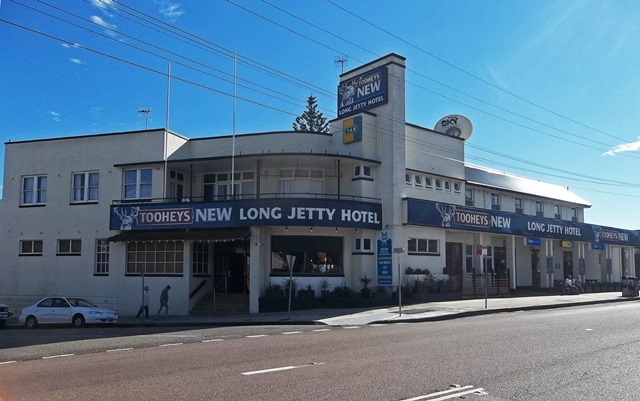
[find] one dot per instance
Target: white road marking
(256, 336)
(119, 349)
(378, 325)
(170, 345)
(57, 356)
(212, 340)
(447, 394)
(291, 332)
(319, 330)
(588, 329)
(7, 362)
(257, 372)
(351, 327)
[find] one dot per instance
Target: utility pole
(145, 112)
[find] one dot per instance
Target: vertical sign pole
(399, 251)
(291, 260)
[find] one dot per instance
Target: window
(518, 205)
(574, 214)
(408, 180)
(447, 186)
(200, 258)
(418, 181)
(495, 201)
(557, 211)
(456, 188)
(217, 186)
(301, 183)
(155, 258)
(468, 258)
(84, 187)
(34, 190)
(69, 246)
(539, 209)
(137, 183)
(428, 183)
(314, 255)
(363, 244)
(31, 247)
(102, 257)
(423, 246)
(176, 185)
(468, 197)
(438, 184)
(362, 172)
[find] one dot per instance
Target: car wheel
(78, 321)
(31, 322)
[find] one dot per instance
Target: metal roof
(486, 177)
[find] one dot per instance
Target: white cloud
(55, 116)
(625, 147)
(76, 61)
(169, 9)
(98, 20)
(103, 6)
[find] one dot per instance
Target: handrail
(264, 195)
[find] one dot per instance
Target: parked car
(4, 314)
(76, 311)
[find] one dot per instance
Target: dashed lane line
(256, 336)
(212, 340)
(119, 349)
(170, 345)
(57, 356)
(286, 333)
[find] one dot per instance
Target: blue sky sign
(384, 252)
(362, 92)
(422, 212)
(247, 213)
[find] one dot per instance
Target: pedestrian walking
(144, 307)
(164, 302)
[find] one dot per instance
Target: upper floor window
(539, 209)
(574, 214)
(557, 211)
(468, 197)
(456, 187)
(418, 181)
(220, 186)
(407, 179)
(428, 182)
(137, 183)
(362, 172)
(34, 190)
(31, 247)
(301, 182)
(84, 187)
(447, 186)
(69, 246)
(495, 201)
(438, 184)
(518, 204)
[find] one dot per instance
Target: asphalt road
(584, 353)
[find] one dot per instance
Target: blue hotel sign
(363, 92)
(246, 213)
(421, 212)
(384, 250)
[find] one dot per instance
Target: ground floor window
(314, 254)
(162, 257)
(200, 257)
(102, 257)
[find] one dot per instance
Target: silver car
(62, 310)
(4, 314)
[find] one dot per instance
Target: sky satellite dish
(455, 125)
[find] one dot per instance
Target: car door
(44, 310)
(61, 311)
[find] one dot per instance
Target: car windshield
(81, 302)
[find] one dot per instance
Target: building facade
(100, 216)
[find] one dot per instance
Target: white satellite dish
(455, 125)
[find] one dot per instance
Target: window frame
(360, 244)
(33, 251)
(468, 200)
(423, 246)
(495, 201)
(86, 187)
(362, 171)
(101, 264)
(38, 190)
(517, 201)
(149, 257)
(138, 185)
(69, 247)
(539, 209)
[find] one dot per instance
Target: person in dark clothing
(164, 302)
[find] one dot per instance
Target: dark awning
(191, 235)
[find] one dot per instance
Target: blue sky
(550, 86)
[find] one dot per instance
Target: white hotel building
(91, 215)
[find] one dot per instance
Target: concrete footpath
(432, 311)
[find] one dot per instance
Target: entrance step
(223, 305)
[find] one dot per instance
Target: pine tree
(311, 120)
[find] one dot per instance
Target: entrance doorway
(230, 266)
(535, 268)
(567, 263)
(454, 264)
